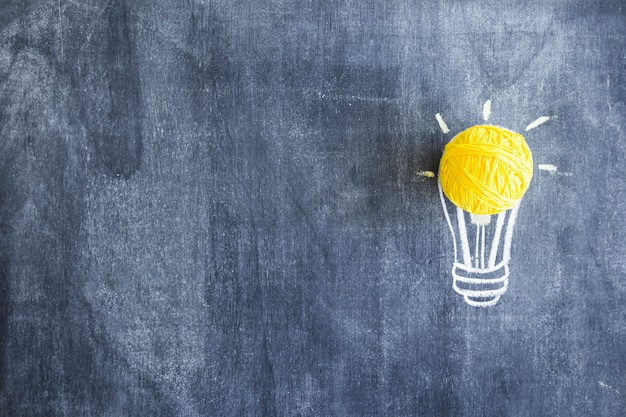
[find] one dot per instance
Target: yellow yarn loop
(486, 169)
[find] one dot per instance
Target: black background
(211, 208)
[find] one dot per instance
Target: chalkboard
(218, 208)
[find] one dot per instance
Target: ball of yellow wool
(486, 169)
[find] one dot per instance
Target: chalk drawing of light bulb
(482, 231)
(480, 274)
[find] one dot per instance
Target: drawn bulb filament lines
(480, 277)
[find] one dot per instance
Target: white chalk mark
(603, 385)
(496, 240)
(480, 220)
(508, 236)
(552, 169)
(460, 218)
(482, 291)
(428, 174)
(442, 125)
(477, 247)
(482, 246)
(486, 110)
(548, 167)
(541, 120)
(489, 303)
(447, 216)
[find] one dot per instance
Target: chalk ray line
(548, 167)
(486, 110)
(442, 125)
(539, 121)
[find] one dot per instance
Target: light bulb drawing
(482, 242)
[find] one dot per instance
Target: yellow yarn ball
(486, 169)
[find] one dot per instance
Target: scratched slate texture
(211, 208)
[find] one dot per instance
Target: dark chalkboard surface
(213, 208)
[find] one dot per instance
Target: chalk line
(442, 125)
(496, 240)
(604, 385)
(476, 252)
(465, 250)
(508, 235)
(539, 121)
(486, 110)
(548, 167)
(447, 216)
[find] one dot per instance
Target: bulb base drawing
(480, 287)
